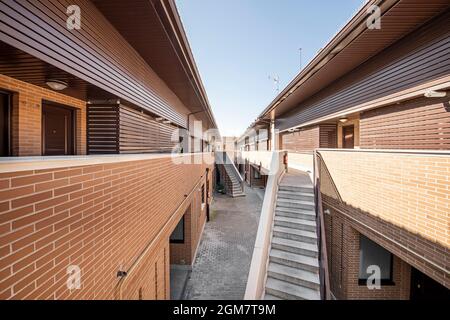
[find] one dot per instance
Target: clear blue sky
(237, 44)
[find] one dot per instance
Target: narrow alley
(225, 252)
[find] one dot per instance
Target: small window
(371, 254)
(203, 194)
(256, 174)
(177, 235)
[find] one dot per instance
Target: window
(256, 174)
(177, 235)
(370, 254)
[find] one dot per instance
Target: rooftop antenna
(276, 81)
(300, 49)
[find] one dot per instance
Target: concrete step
(297, 247)
(295, 223)
(239, 194)
(289, 203)
(295, 234)
(292, 275)
(270, 297)
(303, 188)
(294, 260)
(296, 213)
(289, 291)
(296, 195)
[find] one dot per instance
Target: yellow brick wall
(411, 191)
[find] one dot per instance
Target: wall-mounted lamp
(57, 85)
(343, 120)
(159, 119)
(166, 122)
(435, 94)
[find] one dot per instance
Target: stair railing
(321, 236)
(227, 160)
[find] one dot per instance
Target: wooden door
(4, 124)
(57, 130)
(425, 288)
(348, 137)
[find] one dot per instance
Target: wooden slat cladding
(96, 53)
(305, 140)
(102, 129)
(415, 60)
(321, 136)
(328, 136)
(139, 133)
(418, 124)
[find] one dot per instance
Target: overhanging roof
(353, 45)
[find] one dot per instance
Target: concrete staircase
(234, 185)
(293, 271)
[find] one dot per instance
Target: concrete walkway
(223, 260)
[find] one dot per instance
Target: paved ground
(223, 260)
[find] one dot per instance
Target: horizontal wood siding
(417, 59)
(140, 133)
(419, 124)
(328, 136)
(102, 129)
(96, 53)
(305, 140)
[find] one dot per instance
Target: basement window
(372, 254)
(177, 235)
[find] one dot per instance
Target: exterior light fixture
(166, 122)
(57, 85)
(343, 120)
(159, 119)
(435, 94)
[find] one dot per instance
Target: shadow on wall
(423, 254)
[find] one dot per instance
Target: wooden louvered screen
(419, 124)
(417, 59)
(305, 140)
(140, 133)
(102, 129)
(328, 136)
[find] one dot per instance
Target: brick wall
(305, 140)
(194, 222)
(102, 218)
(27, 116)
(400, 201)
